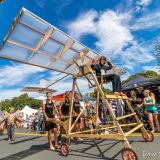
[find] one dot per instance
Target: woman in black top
(76, 112)
(65, 105)
(76, 107)
(49, 111)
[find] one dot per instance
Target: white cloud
(114, 37)
(84, 24)
(109, 27)
(40, 3)
(58, 5)
(137, 55)
(152, 68)
(141, 4)
(144, 2)
(147, 21)
(64, 85)
(10, 93)
(112, 33)
(13, 75)
(62, 5)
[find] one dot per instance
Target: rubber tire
(66, 148)
(130, 150)
(152, 136)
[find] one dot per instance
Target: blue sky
(123, 30)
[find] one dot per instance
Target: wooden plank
(16, 60)
(89, 135)
(71, 106)
(32, 49)
(41, 42)
(108, 106)
(81, 110)
(55, 82)
(116, 97)
(26, 25)
(81, 55)
(82, 73)
(29, 48)
(62, 51)
(128, 115)
(134, 129)
(13, 26)
(122, 125)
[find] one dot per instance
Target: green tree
(15, 103)
(5, 104)
(35, 103)
(23, 100)
(106, 91)
(146, 74)
(20, 102)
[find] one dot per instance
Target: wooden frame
(84, 70)
(119, 134)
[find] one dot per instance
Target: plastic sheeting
(28, 41)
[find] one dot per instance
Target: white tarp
(28, 111)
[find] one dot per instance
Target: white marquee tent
(28, 111)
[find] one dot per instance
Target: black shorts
(50, 125)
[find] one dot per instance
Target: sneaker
(152, 131)
(106, 132)
(79, 139)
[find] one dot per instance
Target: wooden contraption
(33, 41)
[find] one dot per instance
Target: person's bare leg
(150, 117)
(50, 140)
(157, 122)
(55, 138)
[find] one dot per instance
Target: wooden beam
(32, 49)
(81, 55)
(21, 61)
(29, 48)
(26, 25)
(62, 51)
(13, 26)
(116, 97)
(41, 42)
(128, 115)
(71, 106)
(133, 130)
(81, 110)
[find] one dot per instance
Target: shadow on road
(83, 152)
(23, 154)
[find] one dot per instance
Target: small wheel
(64, 149)
(128, 154)
(150, 138)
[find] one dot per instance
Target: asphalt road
(35, 147)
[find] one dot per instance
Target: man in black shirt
(139, 94)
(158, 96)
(101, 69)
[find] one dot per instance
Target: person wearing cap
(11, 122)
(101, 68)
